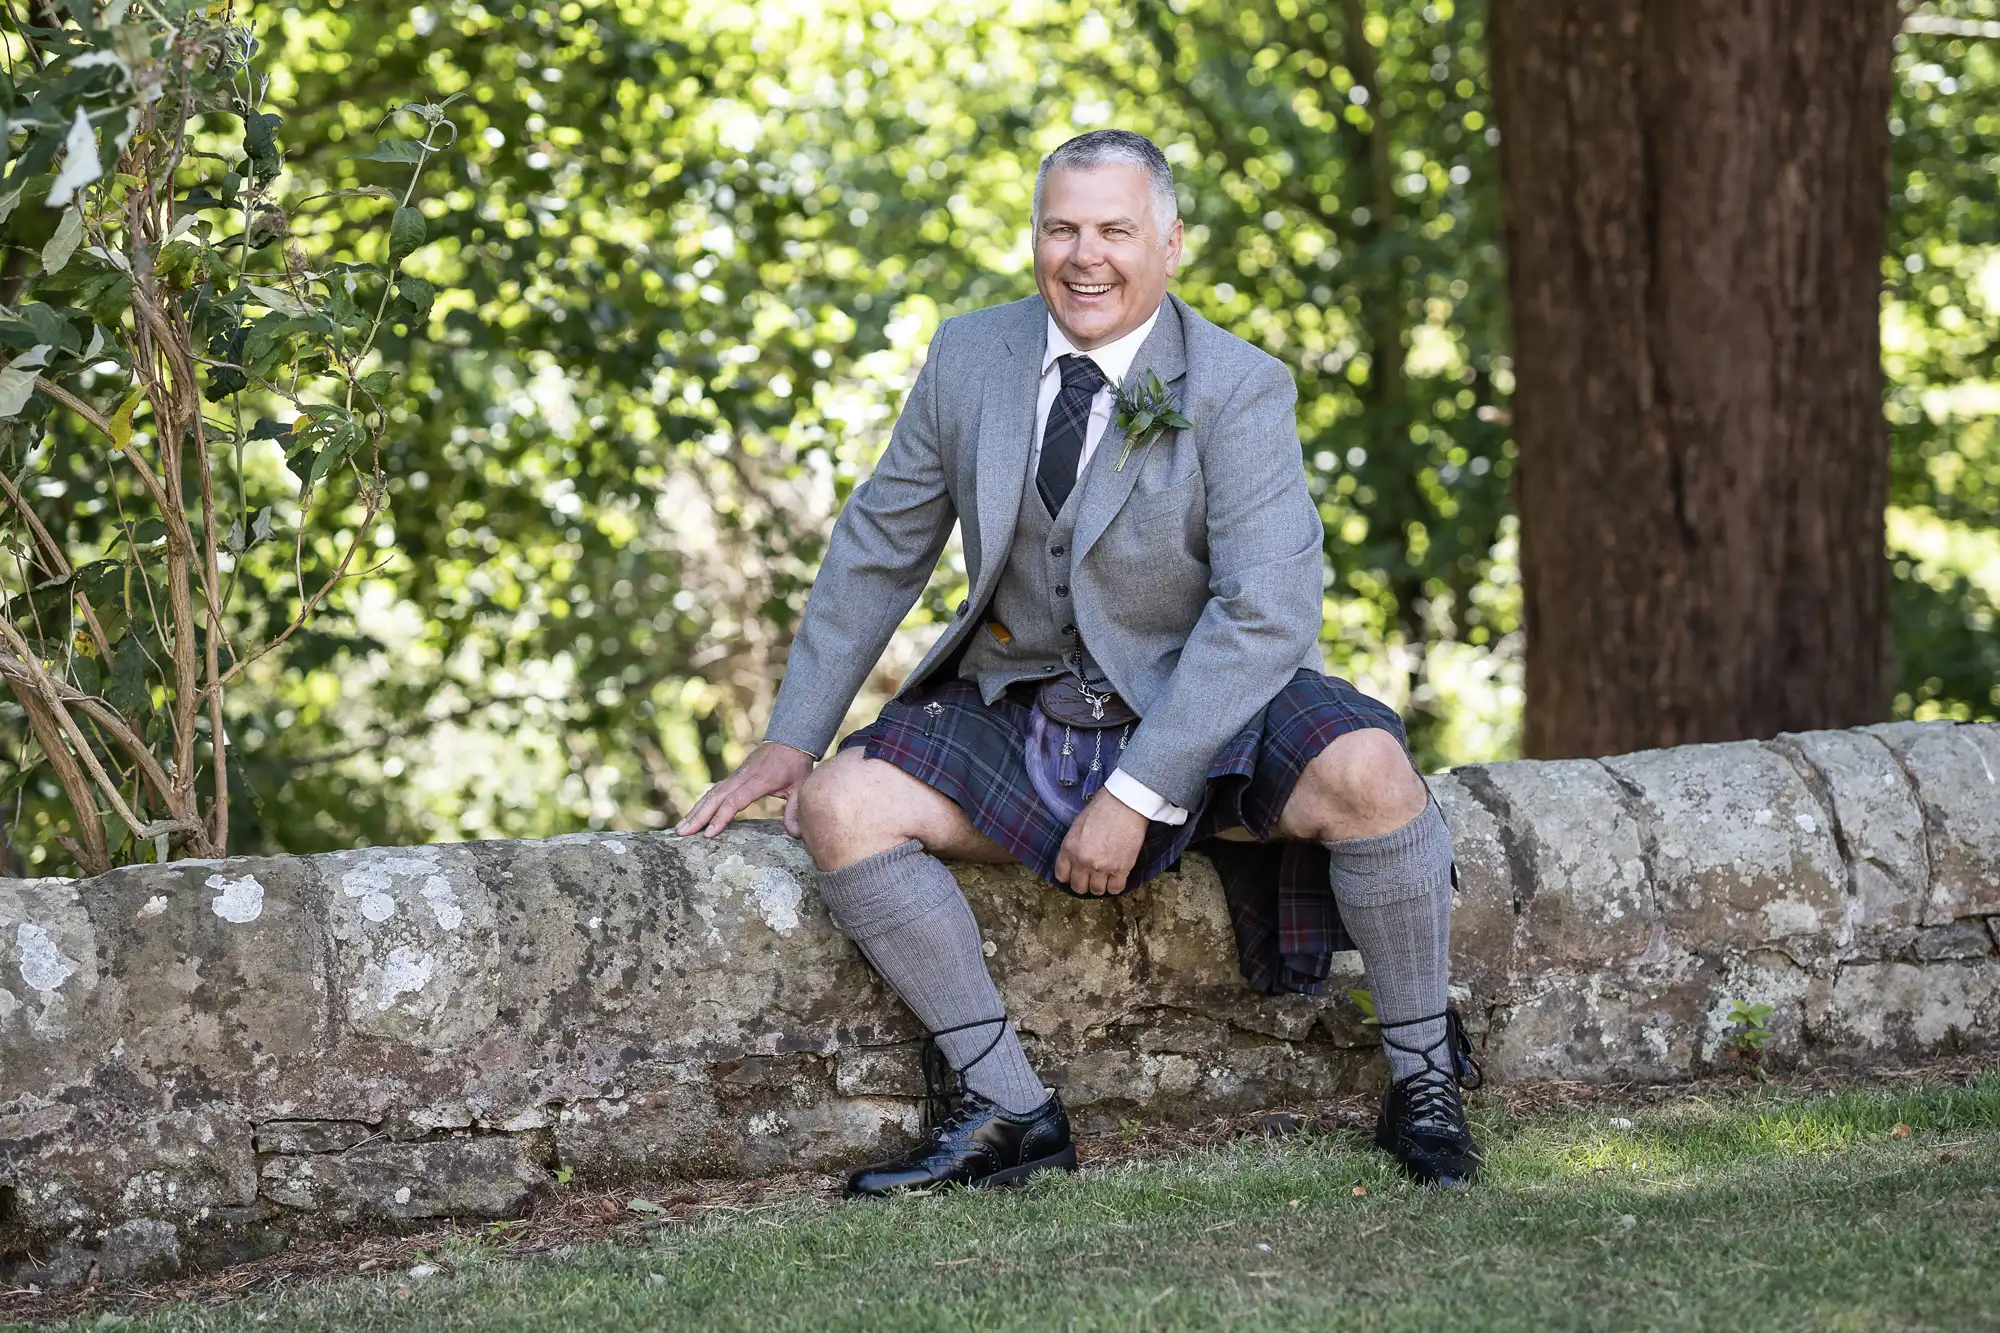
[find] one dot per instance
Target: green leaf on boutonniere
(1143, 413)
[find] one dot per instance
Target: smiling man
(1136, 670)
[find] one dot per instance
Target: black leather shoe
(978, 1145)
(1423, 1122)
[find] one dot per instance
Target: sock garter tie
(944, 1085)
(1424, 1086)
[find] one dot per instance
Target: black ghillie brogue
(1423, 1122)
(977, 1144)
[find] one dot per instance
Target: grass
(1772, 1210)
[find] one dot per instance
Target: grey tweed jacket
(1195, 570)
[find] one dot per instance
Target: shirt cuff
(1144, 799)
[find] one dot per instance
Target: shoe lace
(944, 1085)
(1430, 1095)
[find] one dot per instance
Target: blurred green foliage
(1941, 350)
(688, 250)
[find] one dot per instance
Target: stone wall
(200, 1059)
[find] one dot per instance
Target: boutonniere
(1143, 413)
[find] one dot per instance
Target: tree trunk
(1695, 196)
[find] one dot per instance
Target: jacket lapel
(1006, 436)
(1105, 489)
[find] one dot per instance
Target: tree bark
(1695, 195)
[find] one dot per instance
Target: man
(1174, 571)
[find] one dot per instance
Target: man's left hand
(1102, 846)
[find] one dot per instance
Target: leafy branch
(172, 274)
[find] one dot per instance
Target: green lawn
(1769, 1210)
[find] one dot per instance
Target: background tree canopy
(686, 252)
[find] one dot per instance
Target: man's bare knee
(838, 820)
(1361, 785)
(854, 807)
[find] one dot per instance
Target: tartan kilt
(974, 754)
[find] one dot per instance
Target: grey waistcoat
(1032, 600)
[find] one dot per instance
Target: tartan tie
(1062, 437)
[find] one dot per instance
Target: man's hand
(1101, 847)
(773, 769)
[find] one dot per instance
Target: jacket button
(1062, 590)
(1057, 550)
(1070, 630)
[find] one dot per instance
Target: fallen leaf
(1360, 1190)
(402, 1291)
(1901, 1131)
(646, 1206)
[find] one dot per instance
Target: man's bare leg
(876, 834)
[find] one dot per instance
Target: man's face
(1099, 258)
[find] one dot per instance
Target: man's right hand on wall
(773, 769)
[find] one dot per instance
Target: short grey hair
(1121, 147)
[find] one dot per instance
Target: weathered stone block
(48, 976)
(111, 1161)
(419, 952)
(1605, 1026)
(1483, 919)
(1586, 897)
(1960, 939)
(142, 1250)
(1759, 978)
(1881, 827)
(491, 1175)
(1740, 848)
(1108, 1086)
(313, 1136)
(1956, 769)
(689, 1128)
(878, 1071)
(1871, 1010)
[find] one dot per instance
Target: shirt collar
(1114, 358)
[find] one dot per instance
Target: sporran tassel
(1066, 771)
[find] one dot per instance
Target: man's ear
(1174, 248)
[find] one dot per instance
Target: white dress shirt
(1113, 359)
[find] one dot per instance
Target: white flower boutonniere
(1143, 413)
